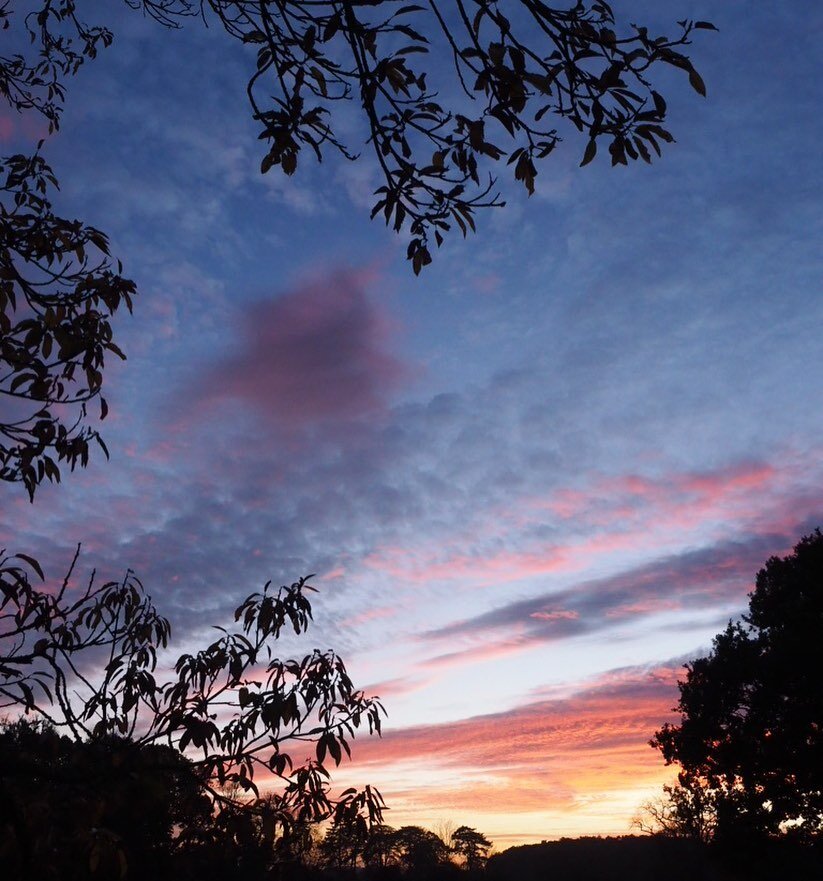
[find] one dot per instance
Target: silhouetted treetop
(750, 736)
(472, 846)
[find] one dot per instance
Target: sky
(532, 482)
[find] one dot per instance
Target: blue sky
(531, 481)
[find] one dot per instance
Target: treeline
(656, 858)
(109, 808)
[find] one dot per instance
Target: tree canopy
(445, 91)
(472, 846)
(85, 661)
(750, 738)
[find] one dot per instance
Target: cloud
(319, 354)
(609, 515)
(704, 578)
(555, 756)
(617, 709)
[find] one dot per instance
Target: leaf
(696, 82)
(591, 152)
(32, 562)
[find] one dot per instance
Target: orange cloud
(577, 765)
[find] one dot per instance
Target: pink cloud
(6, 127)
(557, 615)
(412, 565)
(376, 614)
(649, 606)
(321, 353)
(682, 497)
(615, 711)
(613, 516)
(550, 755)
(489, 651)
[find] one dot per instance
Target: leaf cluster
(58, 293)
(518, 66)
(54, 44)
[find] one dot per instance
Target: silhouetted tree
(681, 812)
(382, 847)
(343, 844)
(420, 851)
(70, 809)
(472, 846)
(750, 737)
(515, 70)
(231, 708)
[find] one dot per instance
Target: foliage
(409, 850)
(381, 848)
(472, 846)
(232, 708)
(101, 806)
(750, 736)
(682, 812)
(515, 68)
(419, 850)
(58, 286)
(343, 844)
(58, 292)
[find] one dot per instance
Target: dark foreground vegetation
(108, 772)
(651, 858)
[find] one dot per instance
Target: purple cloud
(318, 354)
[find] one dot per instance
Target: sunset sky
(531, 482)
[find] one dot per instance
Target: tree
(420, 851)
(512, 76)
(681, 812)
(343, 844)
(104, 805)
(382, 847)
(750, 737)
(230, 709)
(472, 846)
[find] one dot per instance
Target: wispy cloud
(703, 578)
(553, 756)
